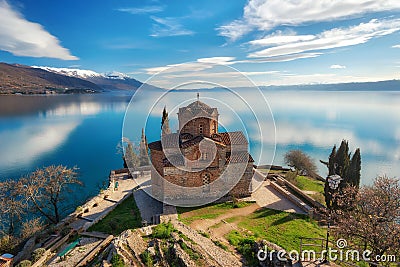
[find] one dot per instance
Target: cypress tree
(143, 151)
(165, 123)
(354, 172)
(342, 160)
(130, 159)
(331, 162)
(348, 169)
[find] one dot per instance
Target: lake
(84, 130)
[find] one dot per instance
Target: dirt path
(217, 228)
(205, 224)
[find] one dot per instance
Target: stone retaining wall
(292, 198)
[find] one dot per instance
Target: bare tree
(370, 216)
(12, 206)
(31, 227)
(301, 162)
(46, 190)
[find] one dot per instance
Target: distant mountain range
(107, 81)
(390, 85)
(15, 78)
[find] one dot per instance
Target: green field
(210, 211)
(125, 216)
(281, 228)
(310, 184)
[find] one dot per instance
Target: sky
(273, 42)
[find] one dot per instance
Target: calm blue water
(84, 130)
(75, 130)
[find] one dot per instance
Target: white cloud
(274, 39)
(168, 27)
(396, 46)
(179, 68)
(336, 66)
(142, 10)
(217, 60)
(283, 58)
(24, 38)
(235, 30)
(334, 38)
(264, 15)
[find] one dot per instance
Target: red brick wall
(193, 127)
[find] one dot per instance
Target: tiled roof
(234, 138)
(239, 157)
(155, 145)
(170, 140)
(192, 142)
(177, 160)
(186, 136)
(198, 107)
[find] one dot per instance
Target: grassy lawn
(125, 216)
(281, 228)
(210, 211)
(310, 184)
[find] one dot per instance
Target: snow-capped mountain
(116, 75)
(108, 81)
(77, 73)
(85, 74)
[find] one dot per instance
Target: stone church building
(199, 161)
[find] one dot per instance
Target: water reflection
(32, 140)
(46, 130)
(311, 121)
(83, 130)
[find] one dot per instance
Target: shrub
(163, 230)
(7, 243)
(117, 261)
(24, 263)
(37, 254)
(245, 246)
(146, 258)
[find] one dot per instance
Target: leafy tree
(46, 190)
(301, 162)
(369, 217)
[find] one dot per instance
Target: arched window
(200, 128)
